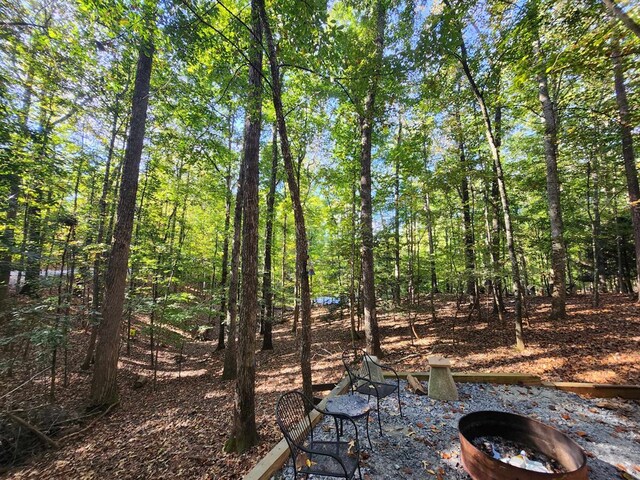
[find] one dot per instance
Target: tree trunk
(558, 255)
(245, 433)
(593, 200)
(353, 307)
(97, 262)
(622, 283)
(396, 218)
(371, 332)
(104, 387)
(229, 370)
(267, 290)
(629, 157)
(225, 263)
(430, 237)
(469, 252)
(411, 243)
(494, 246)
(302, 256)
(430, 234)
(494, 146)
(296, 302)
(8, 238)
(8, 234)
(33, 263)
(23, 244)
(284, 260)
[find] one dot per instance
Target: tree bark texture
(396, 219)
(33, 245)
(8, 234)
(245, 433)
(558, 254)
(433, 277)
(593, 208)
(225, 263)
(371, 331)
(353, 307)
(104, 387)
(8, 238)
(302, 254)
(267, 290)
(494, 147)
(229, 370)
(628, 156)
(96, 300)
(469, 251)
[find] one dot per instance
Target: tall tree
(225, 262)
(102, 217)
(229, 371)
(396, 217)
(494, 147)
(469, 250)
(245, 434)
(371, 331)
(628, 155)
(267, 290)
(558, 254)
(104, 386)
(302, 245)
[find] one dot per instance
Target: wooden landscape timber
(598, 390)
(277, 456)
(478, 377)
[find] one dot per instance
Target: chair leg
(399, 404)
(359, 472)
(378, 409)
(366, 420)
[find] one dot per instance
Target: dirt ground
(178, 429)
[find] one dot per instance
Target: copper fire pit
(523, 430)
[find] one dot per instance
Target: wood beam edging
(596, 390)
(277, 456)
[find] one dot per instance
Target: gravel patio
(424, 443)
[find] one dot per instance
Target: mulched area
(178, 430)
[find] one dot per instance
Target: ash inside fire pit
(517, 435)
(517, 454)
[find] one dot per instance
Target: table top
(352, 405)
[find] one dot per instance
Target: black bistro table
(351, 405)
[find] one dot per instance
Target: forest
(195, 183)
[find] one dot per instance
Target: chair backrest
(357, 368)
(292, 415)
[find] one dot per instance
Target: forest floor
(177, 430)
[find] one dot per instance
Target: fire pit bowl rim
(481, 466)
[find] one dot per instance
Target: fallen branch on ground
(23, 423)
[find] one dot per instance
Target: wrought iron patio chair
(361, 381)
(332, 458)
